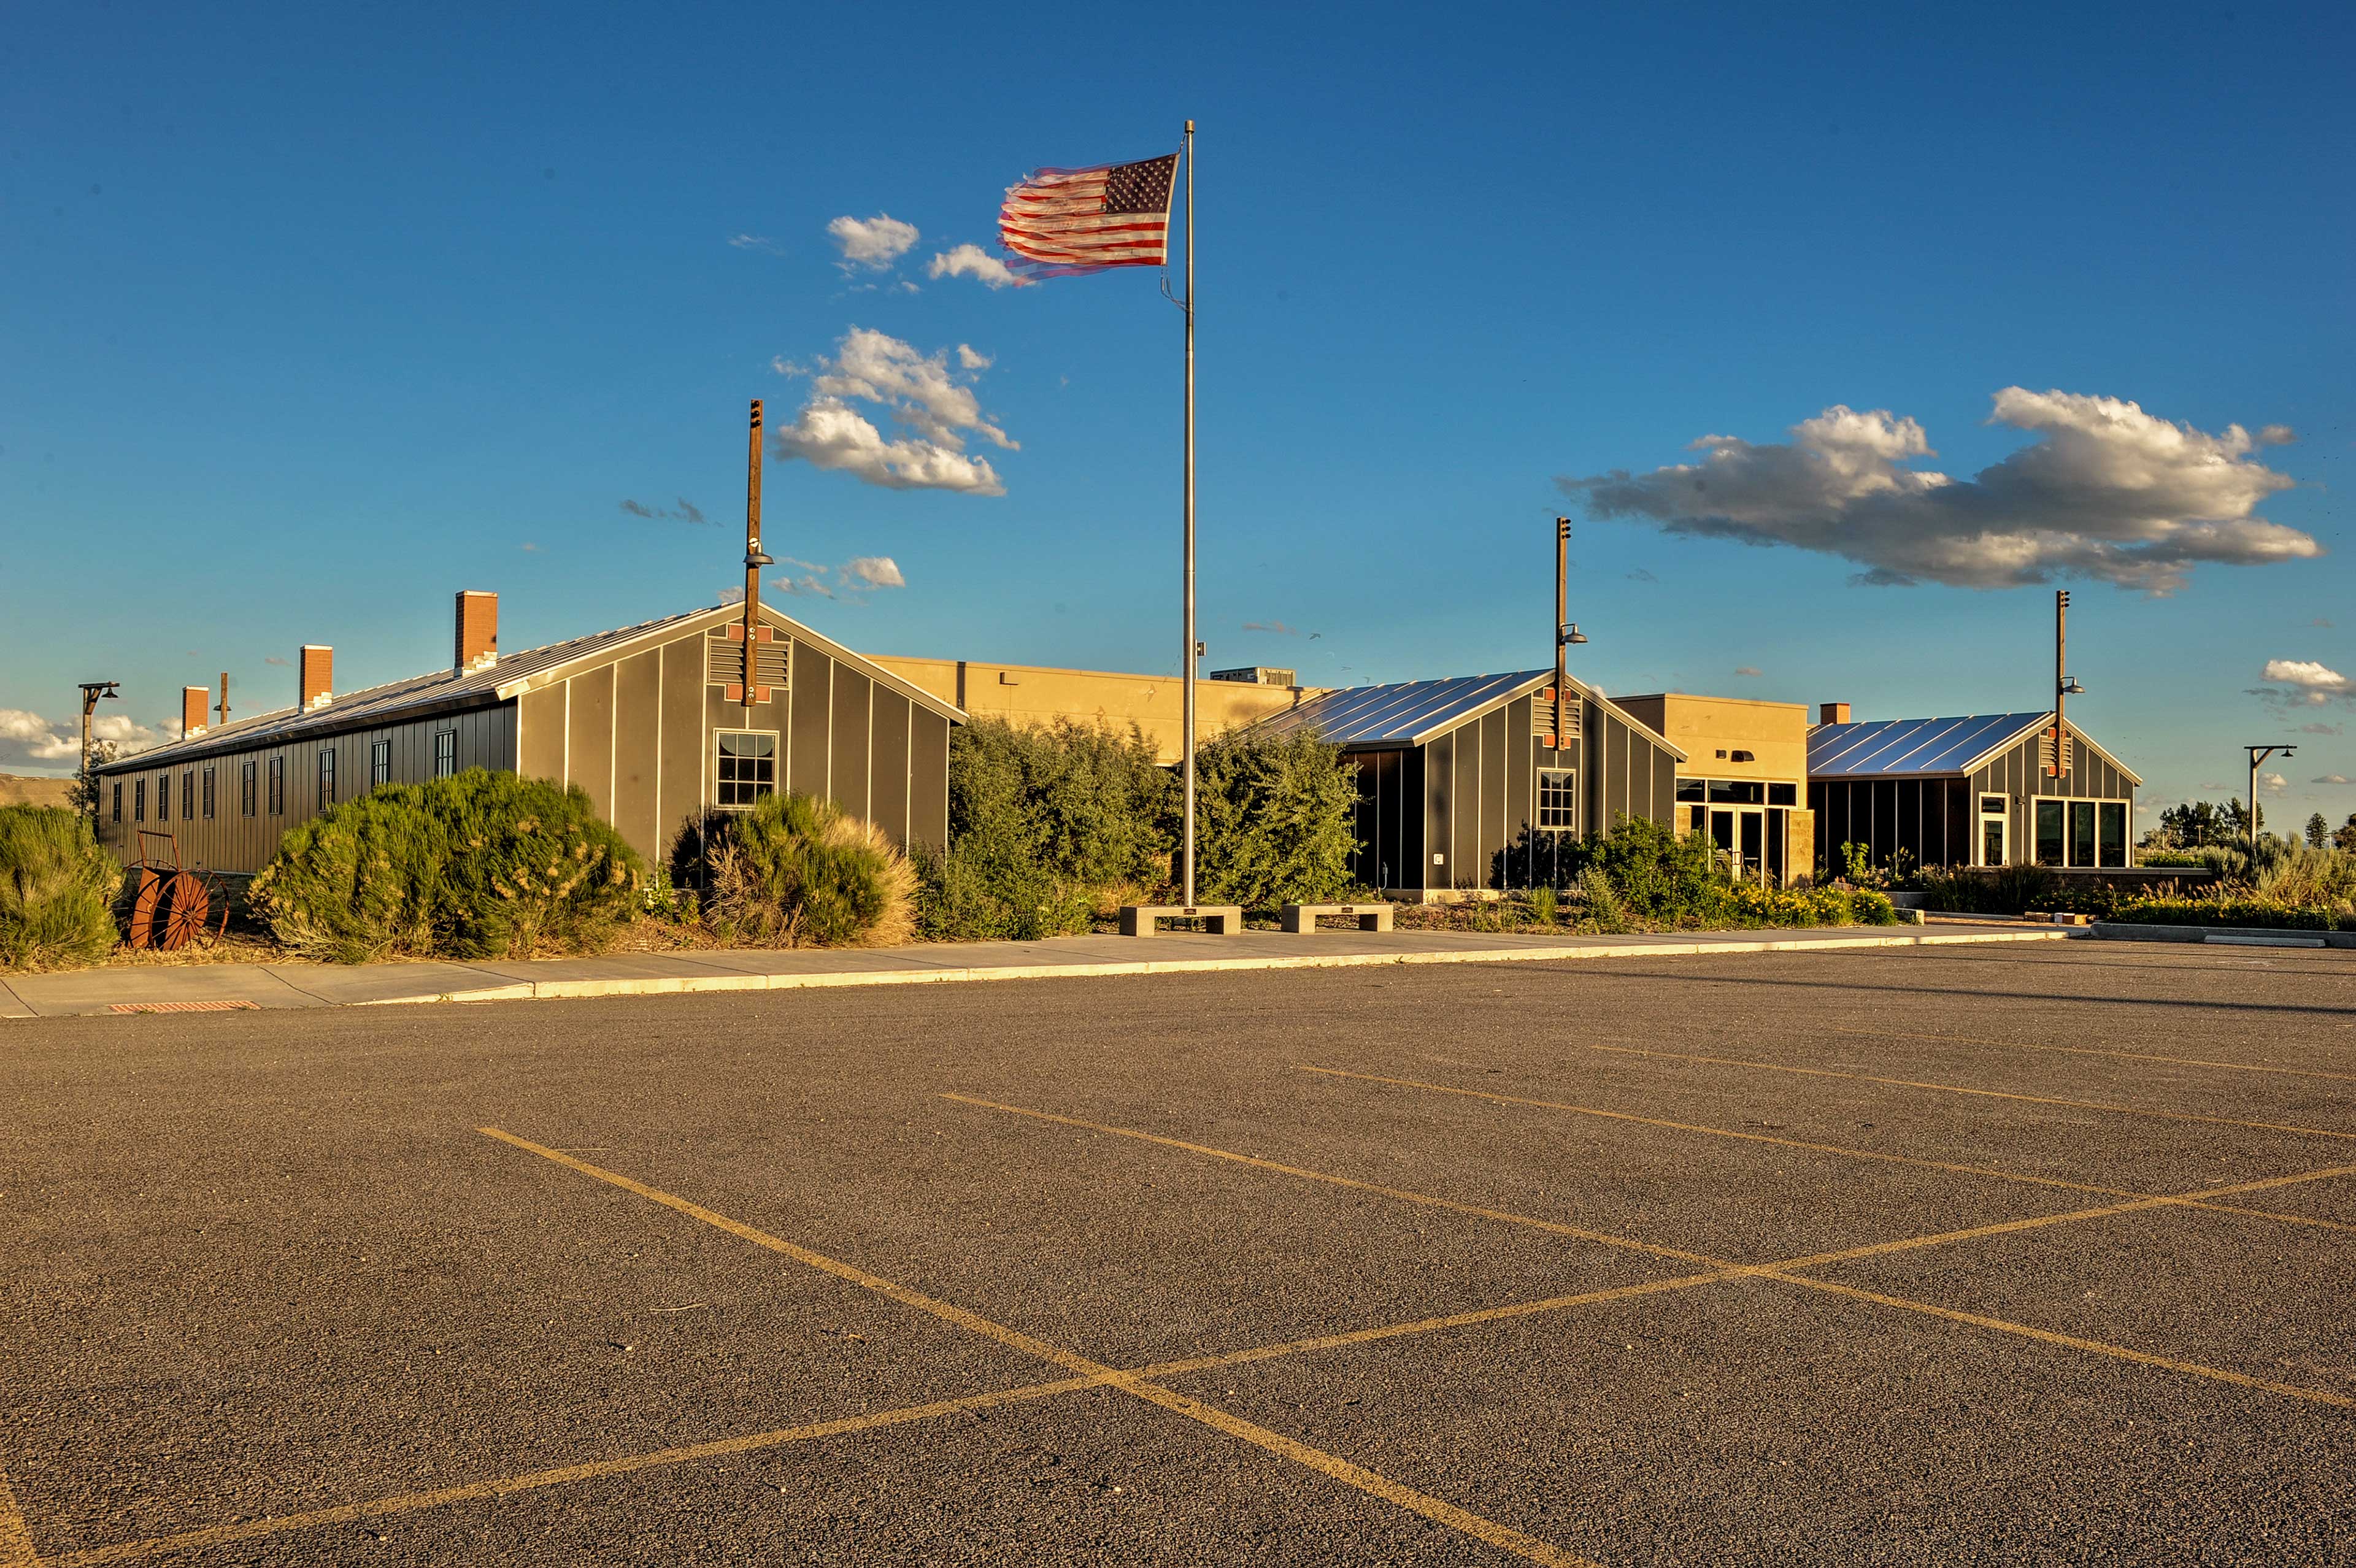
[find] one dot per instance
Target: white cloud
(2332, 779)
(873, 243)
(2107, 492)
(936, 406)
(2306, 673)
(27, 737)
(968, 358)
(854, 580)
(1748, 670)
(760, 242)
(2274, 783)
(874, 571)
(972, 262)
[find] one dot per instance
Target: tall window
(138, 800)
(188, 795)
(118, 800)
(2115, 833)
(327, 776)
(748, 765)
(209, 794)
(246, 790)
(380, 763)
(2049, 832)
(445, 753)
(1557, 799)
(277, 786)
(163, 797)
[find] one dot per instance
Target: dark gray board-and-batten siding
(1467, 793)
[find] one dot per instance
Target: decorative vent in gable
(1542, 718)
(724, 661)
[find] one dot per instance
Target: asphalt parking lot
(1965, 1255)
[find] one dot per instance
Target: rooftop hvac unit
(1257, 675)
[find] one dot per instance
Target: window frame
(211, 793)
(445, 753)
(721, 784)
(188, 795)
(163, 797)
(118, 800)
(247, 795)
(277, 786)
(327, 771)
(1561, 815)
(139, 798)
(380, 763)
(2069, 806)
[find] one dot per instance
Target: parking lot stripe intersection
(1783, 1269)
(1993, 1172)
(1490, 1531)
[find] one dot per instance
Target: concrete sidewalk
(208, 987)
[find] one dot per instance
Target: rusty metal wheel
(144, 931)
(187, 902)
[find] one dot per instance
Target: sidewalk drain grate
(184, 1007)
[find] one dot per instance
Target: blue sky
(313, 316)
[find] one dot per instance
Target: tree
(2234, 818)
(1279, 819)
(83, 796)
(2197, 824)
(2345, 836)
(2317, 830)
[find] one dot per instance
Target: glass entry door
(1741, 833)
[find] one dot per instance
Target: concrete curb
(2228, 935)
(557, 990)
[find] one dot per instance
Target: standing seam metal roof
(1892, 746)
(1408, 713)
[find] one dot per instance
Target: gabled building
(1461, 781)
(1984, 790)
(649, 720)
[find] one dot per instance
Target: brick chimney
(319, 664)
(477, 645)
(193, 700)
(1832, 713)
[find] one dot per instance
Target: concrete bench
(1301, 919)
(1144, 919)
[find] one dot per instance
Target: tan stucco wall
(1033, 694)
(1776, 733)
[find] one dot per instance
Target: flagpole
(1188, 899)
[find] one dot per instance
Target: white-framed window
(745, 766)
(445, 753)
(1558, 800)
(380, 763)
(1995, 844)
(2071, 832)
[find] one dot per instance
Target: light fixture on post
(2259, 754)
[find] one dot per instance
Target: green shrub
(2250, 911)
(56, 890)
(1276, 820)
(1655, 874)
(484, 865)
(1544, 906)
(799, 870)
(1604, 909)
(1046, 825)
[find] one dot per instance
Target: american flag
(1059, 222)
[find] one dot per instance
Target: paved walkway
(223, 986)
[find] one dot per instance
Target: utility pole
(91, 692)
(1567, 634)
(753, 560)
(2064, 685)
(2259, 754)
(222, 713)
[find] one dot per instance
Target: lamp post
(2259, 754)
(93, 691)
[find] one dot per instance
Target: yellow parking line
(16, 1539)
(1812, 1148)
(1779, 1270)
(2095, 1050)
(2100, 1347)
(1983, 1093)
(411, 1502)
(1579, 1232)
(1503, 1537)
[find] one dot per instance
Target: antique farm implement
(172, 906)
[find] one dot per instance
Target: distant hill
(16, 789)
